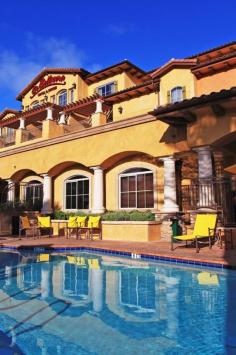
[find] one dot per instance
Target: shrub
(128, 216)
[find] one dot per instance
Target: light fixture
(120, 109)
(73, 85)
(45, 98)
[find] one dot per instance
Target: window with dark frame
(176, 94)
(62, 98)
(107, 89)
(136, 188)
(77, 193)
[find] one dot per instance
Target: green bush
(110, 215)
(128, 216)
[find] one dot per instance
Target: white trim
(135, 174)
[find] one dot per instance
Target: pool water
(82, 303)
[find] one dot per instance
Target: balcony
(51, 121)
(7, 140)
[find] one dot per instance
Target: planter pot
(135, 231)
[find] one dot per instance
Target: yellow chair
(81, 223)
(25, 226)
(204, 228)
(94, 226)
(72, 226)
(44, 223)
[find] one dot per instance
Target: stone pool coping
(129, 251)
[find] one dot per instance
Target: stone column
(205, 177)
(22, 123)
(11, 191)
(98, 190)
(47, 194)
(49, 114)
(62, 119)
(98, 117)
(170, 198)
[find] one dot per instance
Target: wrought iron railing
(216, 194)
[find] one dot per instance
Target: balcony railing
(216, 194)
(32, 133)
(7, 140)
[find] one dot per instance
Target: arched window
(77, 193)
(62, 98)
(176, 94)
(136, 188)
(35, 104)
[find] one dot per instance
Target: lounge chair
(204, 228)
(25, 226)
(44, 224)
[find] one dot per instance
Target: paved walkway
(215, 255)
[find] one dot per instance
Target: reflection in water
(88, 304)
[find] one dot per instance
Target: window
(107, 89)
(35, 104)
(176, 94)
(71, 95)
(77, 193)
(136, 188)
(34, 193)
(62, 98)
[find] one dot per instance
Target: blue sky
(95, 34)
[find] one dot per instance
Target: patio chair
(44, 224)
(204, 229)
(94, 227)
(25, 226)
(81, 223)
(71, 226)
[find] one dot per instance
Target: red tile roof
(8, 110)
(172, 64)
(229, 44)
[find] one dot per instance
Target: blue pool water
(82, 303)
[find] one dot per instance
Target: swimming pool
(83, 303)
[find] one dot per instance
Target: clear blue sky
(95, 34)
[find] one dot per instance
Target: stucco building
(125, 138)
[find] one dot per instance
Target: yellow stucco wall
(70, 79)
(131, 231)
(209, 128)
(216, 82)
(91, 150)
(135, 107)
(177, 77)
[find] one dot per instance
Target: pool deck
(222, 257)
